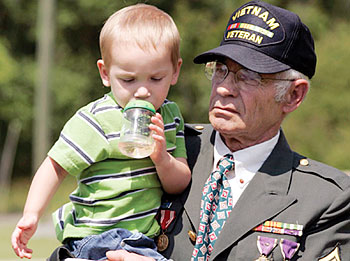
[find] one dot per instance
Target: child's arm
(44, 185)
(174, 173)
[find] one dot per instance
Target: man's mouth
(224, 109)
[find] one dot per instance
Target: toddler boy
(117, 197)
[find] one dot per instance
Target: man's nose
(228, 87)
(142, 92)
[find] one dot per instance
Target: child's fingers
(159, 116)
(24, 251)
(158, 120)
(19, 241)
(158, 138)
(27, 253)
(156, 129)
(15, 240)
(157, 125)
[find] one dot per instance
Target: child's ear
(176, 72)
(103, 73)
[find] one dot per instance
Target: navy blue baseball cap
(266, 39)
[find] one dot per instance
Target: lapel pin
(192, 235)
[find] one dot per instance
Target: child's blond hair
(143, 25)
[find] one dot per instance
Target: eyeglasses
(217, 72)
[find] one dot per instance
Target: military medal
(163, 242)
(166, 217)
(288, 248)
(265, 246)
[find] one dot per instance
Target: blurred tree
(321, 126)
(339, 8)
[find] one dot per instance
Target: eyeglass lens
(217, 72)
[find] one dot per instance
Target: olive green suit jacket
(288, 188)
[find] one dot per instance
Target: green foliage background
(319, 129)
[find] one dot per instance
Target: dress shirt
(247, 162)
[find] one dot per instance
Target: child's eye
(127, 79)
(156, 79)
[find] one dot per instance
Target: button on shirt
(247, 162)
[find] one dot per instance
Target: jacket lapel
(265, 197)
(201, 172)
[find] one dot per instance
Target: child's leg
(95, 247)
(140, 244)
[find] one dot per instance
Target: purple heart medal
(288, 248)
(265, 246)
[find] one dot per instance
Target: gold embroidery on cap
(255, 10)
(245, 35)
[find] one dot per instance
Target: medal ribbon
(288, 248)
(280, 228)
(166, 217)
(266, 245)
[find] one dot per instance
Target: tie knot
(226, 163)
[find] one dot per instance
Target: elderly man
(263, 201)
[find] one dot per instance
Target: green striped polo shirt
(113, 190)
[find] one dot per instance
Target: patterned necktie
(216, 206)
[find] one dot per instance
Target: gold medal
(163, 242)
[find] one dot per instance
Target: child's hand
(174, 173)
(160, 152)
(24, 230)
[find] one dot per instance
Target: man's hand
(122, 255)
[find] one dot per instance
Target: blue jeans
(95, 247)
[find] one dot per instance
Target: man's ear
(295, 95)
(103, 73)
(177, 72)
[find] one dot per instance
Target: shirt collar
(244, 162)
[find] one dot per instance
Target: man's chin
(223, 125)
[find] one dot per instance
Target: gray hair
(283, 86)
